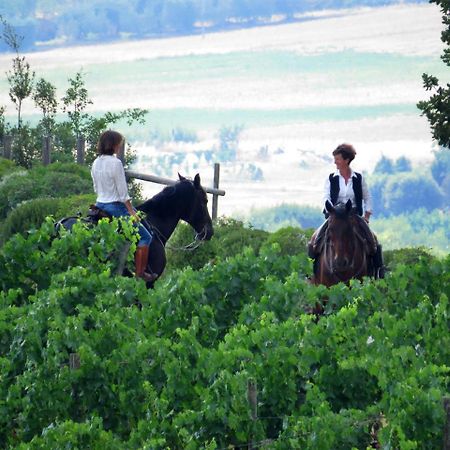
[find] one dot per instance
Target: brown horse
(345, 247)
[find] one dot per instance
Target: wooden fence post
(46, 150)
(252, 398)
(216, 186)
(74, 361)
(80, 149)
(446, 402)
(7, 146)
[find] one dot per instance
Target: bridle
(337, 273)
(197, 242)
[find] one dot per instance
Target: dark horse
(344, 247)
(186, 200)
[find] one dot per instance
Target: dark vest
(357, 189)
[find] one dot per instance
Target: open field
(299, 89)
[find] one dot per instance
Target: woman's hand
(367, 216)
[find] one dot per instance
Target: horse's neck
(163, 226)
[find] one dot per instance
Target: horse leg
(156, 260)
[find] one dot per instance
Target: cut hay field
(297, 90)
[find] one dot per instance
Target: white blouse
(346, 191)
(109, 179)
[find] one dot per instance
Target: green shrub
(230, 238)
(55, 181)
(407, 256)
(31, 214)
(7, 166)
(271, 219)
(28, 215)
(292, 240)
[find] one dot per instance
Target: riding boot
(378, 263)
(141, 259)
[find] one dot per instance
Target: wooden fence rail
(47, 144)
(215, 191)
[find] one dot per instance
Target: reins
(185, 248)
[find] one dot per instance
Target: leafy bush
(292, 240)
(230, 238)
(407, 256)
(6, 167)
(54, 181)
(271, 219)
(176, 373)
(31, 214)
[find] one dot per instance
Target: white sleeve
(93, 181)
(326, 191)
(366, 196)
(121, 182)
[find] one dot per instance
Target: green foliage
(175, 374)
(26, 145)
(31, 214)
(54, 181)
(7, 167)
(75, 102)
(407, 257)
(20, 79)
(28, 215)
(437, 108)
(231, 237)
(286, 215)
(292, 240)
(45, 99)
(409, 192)
(417, 229)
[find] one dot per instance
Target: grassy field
(300, 88)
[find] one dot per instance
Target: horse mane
(162, 202)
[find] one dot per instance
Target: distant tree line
(50, 22)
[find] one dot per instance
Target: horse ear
(180, 177)
(348, 205)
(197, 181)
(329, 207)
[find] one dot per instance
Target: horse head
(196, 211)
(341, 241)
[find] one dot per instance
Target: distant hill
(50, 23)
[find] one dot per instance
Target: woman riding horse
(340, 187)
(110, 185)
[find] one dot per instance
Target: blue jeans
(118, 209)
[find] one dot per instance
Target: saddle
(95, 214)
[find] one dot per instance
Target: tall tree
(21, 77)
(437, 108)
(75, 102)
(44, 97)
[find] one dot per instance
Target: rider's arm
(367, 200)
(326, 191)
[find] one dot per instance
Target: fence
(80, 158)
